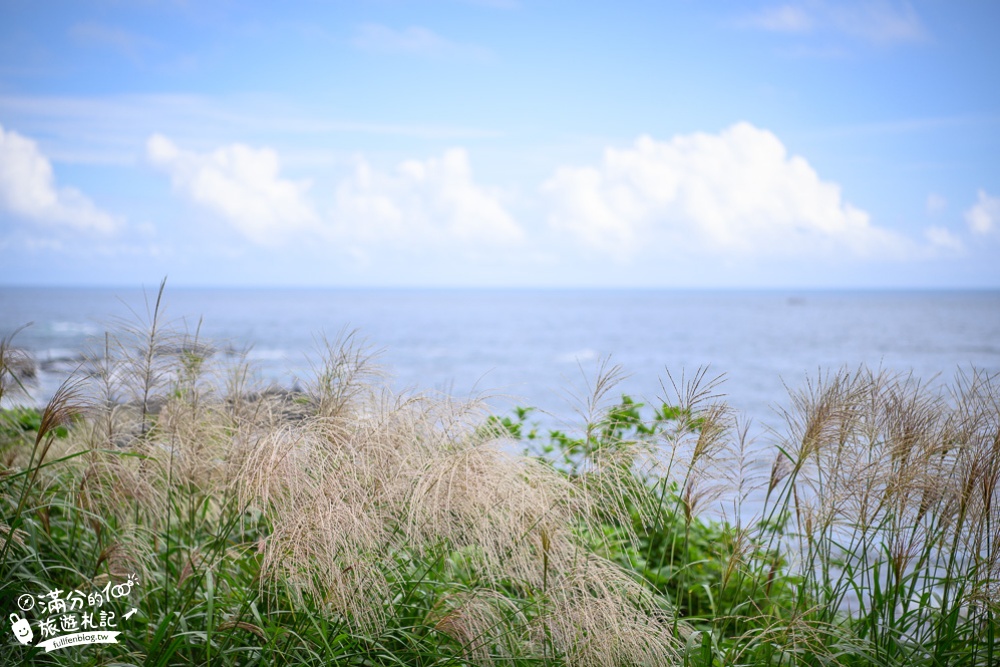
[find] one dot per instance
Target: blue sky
(802, 143)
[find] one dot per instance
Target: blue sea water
(541, 347)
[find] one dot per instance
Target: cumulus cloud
(241, 184)
(422, 201)
(28, 190)
(983, 216)
(737, 192)
(877, 22)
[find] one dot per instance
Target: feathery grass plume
(198, 437)
(192, 422)
(116, 485)
(65, 405)
(781, 467)
(383, 441)
(905, 449)
(193, 366)
(602, 446)
(739, 549)
(194, 561)
(145, 347)
(239, 384)
(885, 483)
(127, 555)
(16, 536)
(13, 361)
(344, 372)
(273, 463)
(269, 467)
(146, 435)
(126, 470)
(242, 625)
(741, 473)
(594, 400)
(329, 541)
(110, 423)
(812, 457)
(977, 481)
(839, 483)
(489, 626)
(697, 426)
(700, 445)
(329, 546)
(500, 505)
(597, 615)
(713, 457)
(335, 491)
(821, 414)
(606, 464)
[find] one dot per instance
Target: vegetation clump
(345, 524)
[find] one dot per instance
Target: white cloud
(412, 40)
(942, 239)
(239, 183)
(735, 193)
(106, 129)
(424, 202)
(786, 18)
(936, 203)
(98, 34)
(421, 203)
(28, 190)
(878, 22)
(983, 216)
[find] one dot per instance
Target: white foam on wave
(57, 353)
(75, 328)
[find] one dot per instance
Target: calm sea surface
(538, 347)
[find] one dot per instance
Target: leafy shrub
(690, 560)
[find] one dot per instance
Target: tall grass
(345, 524)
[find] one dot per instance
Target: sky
(501, 143)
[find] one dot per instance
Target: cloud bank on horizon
(813, 144)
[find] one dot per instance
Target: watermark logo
(72, 618)
(22, 629)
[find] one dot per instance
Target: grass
(348, 525)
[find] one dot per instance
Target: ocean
(540, 348)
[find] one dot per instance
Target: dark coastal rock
(290, 404)
(61, 363)
(21, 364)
